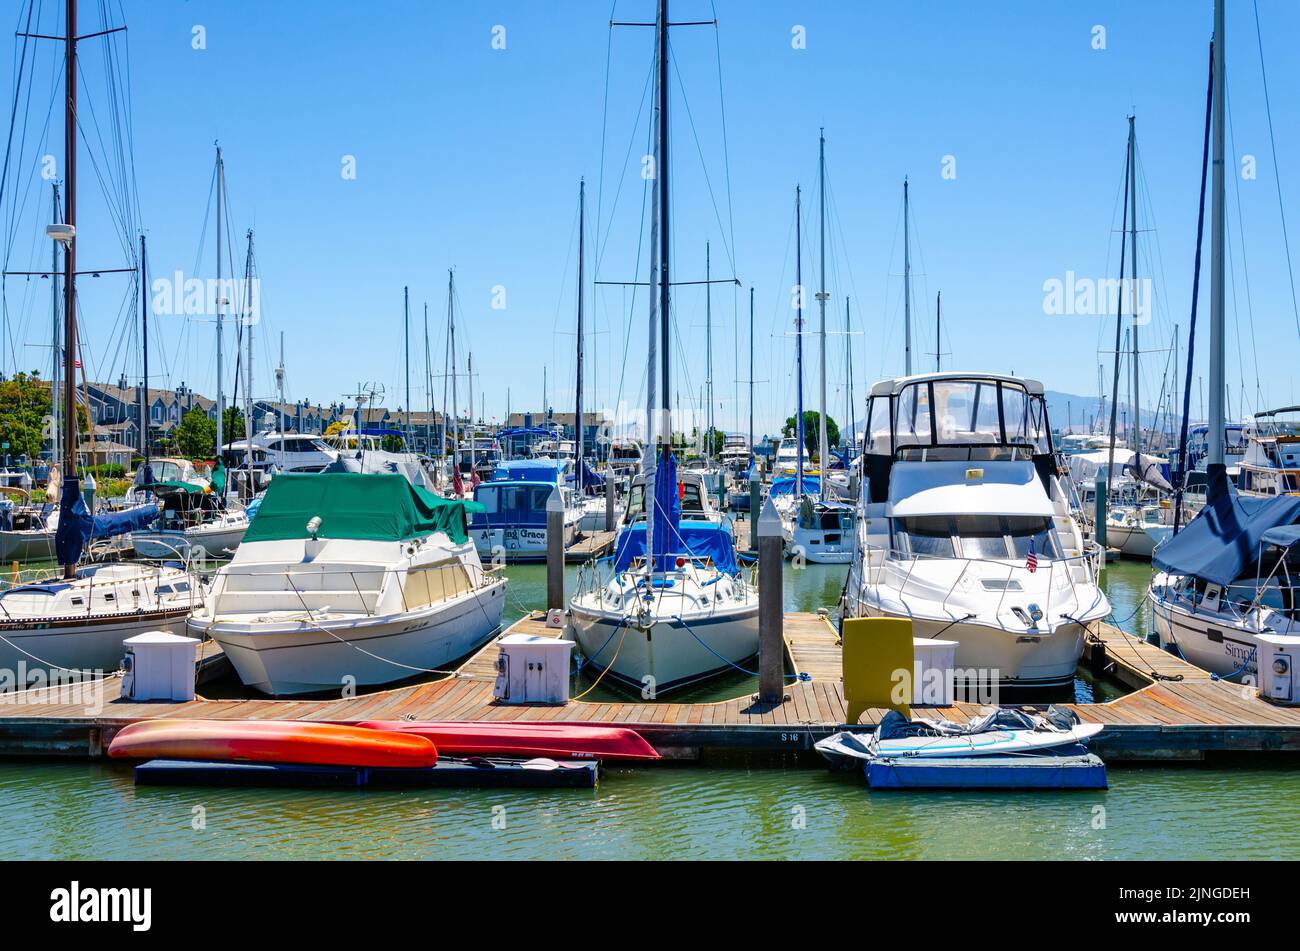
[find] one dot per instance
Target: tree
(810, 431)
(26, 418)
(232, 424)
(714, 440)
(196, 436)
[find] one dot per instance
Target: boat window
(928, 535)
(1021, 528)
(982, 536)
(691, 501)
(164, 589)
(489, 497)
(912, 422)
(182, 587)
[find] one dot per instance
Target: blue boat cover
(691, 539)
(785, 485)
(75, 522)
(1225, 537)
(109, 524)
(527, 470)
(1284, 536)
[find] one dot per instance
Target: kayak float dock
(1176, 712)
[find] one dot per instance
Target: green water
(727, 807)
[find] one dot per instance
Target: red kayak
(271, 741)
(512, 738)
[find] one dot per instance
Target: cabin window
(489, 498)
(927, 536)
(1022, 528)
(182, 587)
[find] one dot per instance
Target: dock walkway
(1178, 712)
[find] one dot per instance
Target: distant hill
(1072, 412)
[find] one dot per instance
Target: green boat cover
(371, 507)
(174, 486)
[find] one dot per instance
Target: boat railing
(1012, 571)
(148, 573)
(596, 576)
(352, 587)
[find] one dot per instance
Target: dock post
(555, 552)
(609, 499)
(771, 612)
(1099, 514)
(755, 493)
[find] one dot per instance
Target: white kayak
(999, 742)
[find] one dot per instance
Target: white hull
(1014, 658)
(670, 654)
(1217, 641)
(93, 643)
(525, 543)
(27, 545)
(812, 545)
(214, 543)
(331, 653)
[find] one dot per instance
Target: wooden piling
(771, 616)
(555, 551)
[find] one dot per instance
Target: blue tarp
(812, 485)
(590, 478)
(690, 540)
(667, 513)
(1284, 536)
(1224, 539)
(527, 470)
(110, 524)
(75, 522)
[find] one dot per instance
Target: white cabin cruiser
(350, 579)
(673, 607)
(965, 528)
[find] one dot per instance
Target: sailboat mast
(822, 447)
(451, 331)
(751, 370)
(221, 399)
(406, 343)
(144, 353)
(848, 362)
(708, 348)
(938, 331)
(1217, 231)
(666, 431)
(577, 415)
(70, 265)
(1133, 281)
(248, 375)
(907, 284)
(279, 383)
(428, 387)
(55, 335)
(798, 336)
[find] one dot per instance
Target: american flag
(1031, 560)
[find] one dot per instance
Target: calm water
(732, 807)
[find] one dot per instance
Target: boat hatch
(1001, 584)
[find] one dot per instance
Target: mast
(70, 270)
(708, 349)
(144, 352)
(428, 388)
(848, 363)
(938, 331)
(1133, 284)
(221, 399)
(577, 416)
(751, 371)
(56, 336)
(798, 337)
(822, 447)
(248, 376)
(1217, 225)
(907, 284)
(666, 425)
(451, 342)
(406, 343)
(279, 383)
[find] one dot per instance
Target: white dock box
(532, 669)
(1277, 658)
(159, 666)
(932, 674)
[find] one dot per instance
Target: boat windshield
(692, 501)
(960, 419)
(983, 537)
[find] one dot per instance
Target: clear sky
(468, 155)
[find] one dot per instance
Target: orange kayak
(512, 738)
(271, 741)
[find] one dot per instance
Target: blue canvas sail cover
(111, 524)
(1224, 539)
(590, 478)
(689, 539)
(75, 522)
(667, 512)
(812, 485)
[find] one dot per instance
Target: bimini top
(895, 386)
(528, 470)
(1225, 538)
(691, 539)
(362, 506)
(785, 485)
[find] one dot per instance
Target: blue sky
(468, 156)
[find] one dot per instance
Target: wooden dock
(1178, 712)
(588, 546)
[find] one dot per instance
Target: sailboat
(674, 607)
(73, 626)
(821, 529)
(1227, 581)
